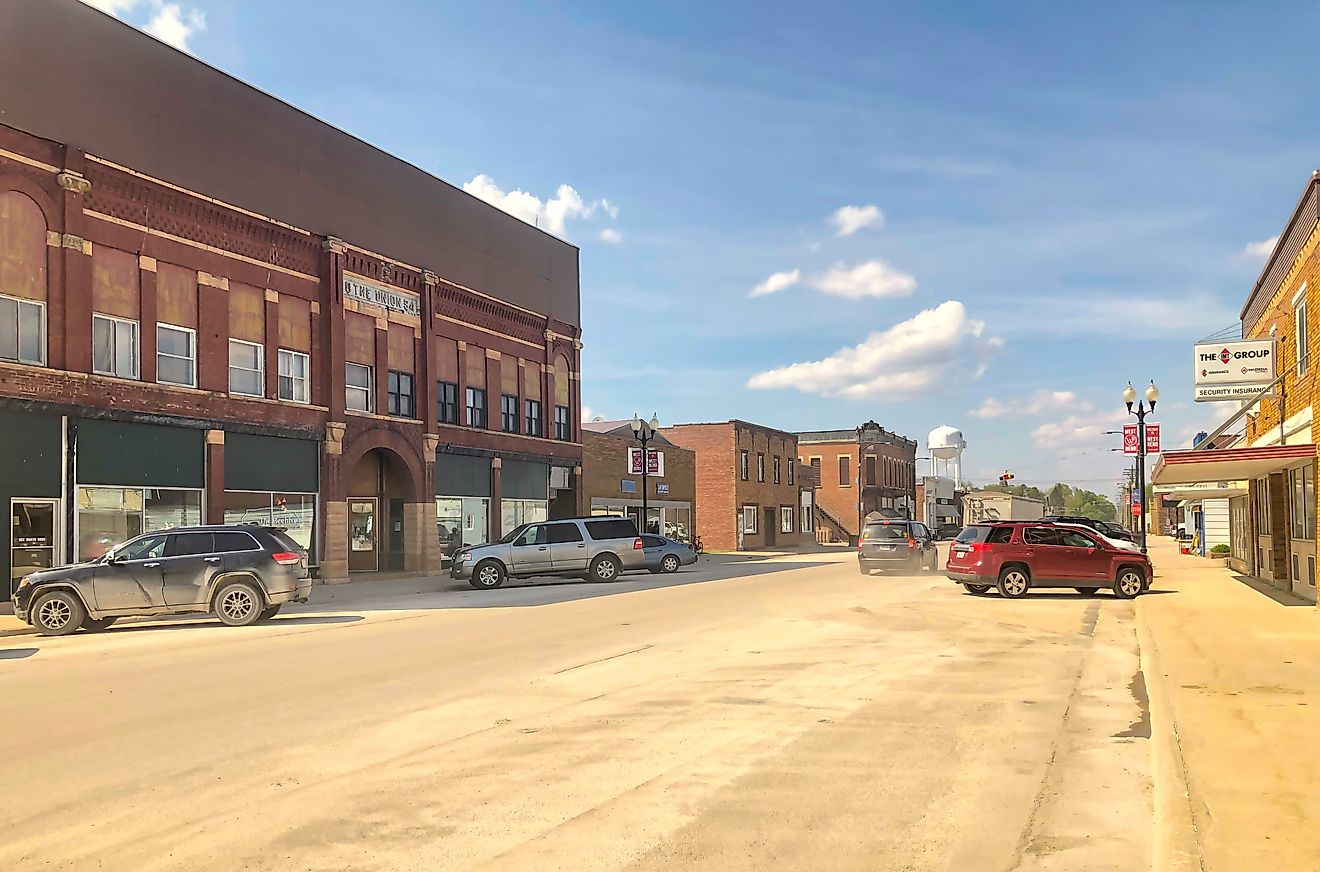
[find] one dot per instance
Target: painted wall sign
(382, 297)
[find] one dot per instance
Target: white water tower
(946, 445)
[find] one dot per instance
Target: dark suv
(243, 573)
(1015, 557)
(896, 544)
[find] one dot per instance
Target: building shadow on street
(1282, 597)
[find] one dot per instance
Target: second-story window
(399, 394)
(776, 468)
(476, 407)
(760, 466)
(294, 366)
(247, 374)
(742, 465)
(358, 391)
(446, 402)
(562, 431)
(1302, 332)
(176, 355)
(791, 464)
(533, 417)
(508, 413)
(845, 474)
(114, 346)
(22, 331)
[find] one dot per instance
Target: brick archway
(398, 448)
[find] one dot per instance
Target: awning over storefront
(1204, 490)
(1228, 465)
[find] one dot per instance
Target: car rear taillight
(978, 547)
(637, 544)
(286, 558)
(912, 543)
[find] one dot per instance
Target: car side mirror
(1090, 550)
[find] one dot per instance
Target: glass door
(363, 535)
(34, 537)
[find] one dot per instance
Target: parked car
(1121, 544)
(1107, 528)
(598, 548)
(241, 573)
(946, 532)
(666, 555)
(1016, 557)
(896, 544)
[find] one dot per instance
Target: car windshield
(514, 534)
(882, 532)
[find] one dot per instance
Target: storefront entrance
(34, 538)
(377, 489)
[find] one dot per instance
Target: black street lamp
(1130, 398)
(645, 431)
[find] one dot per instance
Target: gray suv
(594, 548)
(243, 573)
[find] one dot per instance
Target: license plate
(960, 549)
(883, 547)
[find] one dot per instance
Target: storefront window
(462, 521)
(515, 512)
(296, 513)
(108, 516)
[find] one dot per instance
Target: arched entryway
(380, 487)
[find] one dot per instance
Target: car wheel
(270, 612)
(977, 588)
(1086, 591)
(604, 568)
(488, 575)
(934, 563)
(1129, 583)
(96, 625)
(58, 613)
(1013, 583)
(238, 604)
(670, 563)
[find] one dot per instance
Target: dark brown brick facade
(605, 468)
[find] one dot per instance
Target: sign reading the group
(382, 297)
(1232, 364)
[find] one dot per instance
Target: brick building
(748, 490)
(610, 487)
(863, 471)
(197, 324)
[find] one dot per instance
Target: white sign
(382, 297)
(1223, 393)
(655, 461)
(1245, 362)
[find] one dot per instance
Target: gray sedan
(666, 555)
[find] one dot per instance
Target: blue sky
(1066, 192)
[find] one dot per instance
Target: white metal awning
(1208, 490)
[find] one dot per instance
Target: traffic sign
(1152, 438)
(1131, 441)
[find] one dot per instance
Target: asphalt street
(785, 713)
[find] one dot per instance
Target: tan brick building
(609, 487)
(862, 471)
(748, 490)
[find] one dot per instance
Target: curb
(1176, 844)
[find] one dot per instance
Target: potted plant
(1219, 552)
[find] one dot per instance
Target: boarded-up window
(401, 347)
(295, 323)
(509, 376)
(247, 313)
(22, 247)
(114, 282)
(561, 381)
(359, 338)
(446, 360)
(176, 295)
(532, 381)
(476, 367)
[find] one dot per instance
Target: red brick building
(223, 309)
(749, 494)
(863, 471)
(610, 487)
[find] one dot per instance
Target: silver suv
(594, 548)
(243, 573)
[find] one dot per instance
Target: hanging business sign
(1235, 370)
(382, 297)
(655, 461)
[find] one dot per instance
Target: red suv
(1015, 557)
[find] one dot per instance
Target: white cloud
(610, 235)
(171, 23)
(777, 282)
(587, 414)
(1080, 431)
(872, 278)
(1041, 401)
(552, 215)
(848, 220)
(913, 356)
(1105, 314)
(1260, 249)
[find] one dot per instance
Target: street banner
(655, 461)
(1136, 503)
(1152, 438)
(1131, 441)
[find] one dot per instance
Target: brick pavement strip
(1236, 704)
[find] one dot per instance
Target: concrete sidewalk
(1234, 678)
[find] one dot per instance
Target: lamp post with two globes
(645, 431)
(1130, 398)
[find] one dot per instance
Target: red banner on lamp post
(1152, 438)
(1131, 441)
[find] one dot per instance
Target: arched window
(563, 428)
(22, 279)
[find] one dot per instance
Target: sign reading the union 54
(385, 298)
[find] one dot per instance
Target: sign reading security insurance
(1245, 362)
(385, 298)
